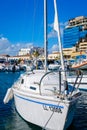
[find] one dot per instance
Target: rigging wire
(24, 18)
(36, 3)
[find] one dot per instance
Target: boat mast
(56, 27)
(45, 33)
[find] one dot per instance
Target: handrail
(42, 79)
(46, 75)
(78, 74)
(80, 79)
(74, 86)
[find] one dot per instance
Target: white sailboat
(44, 98)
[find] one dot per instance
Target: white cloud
(53, 34)
(6, 47)
(4, 43)
(55, 47)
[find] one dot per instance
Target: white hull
(53, 67)
(47, 112)
(83, 67)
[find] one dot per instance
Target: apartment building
(75, 32)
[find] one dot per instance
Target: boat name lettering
(52, 108)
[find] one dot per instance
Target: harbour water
(10, 119)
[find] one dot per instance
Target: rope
(50, 118)
(48, 121)
(33, 19)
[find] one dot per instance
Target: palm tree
(36, 54)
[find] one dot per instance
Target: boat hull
(82, 65)
(44, 112)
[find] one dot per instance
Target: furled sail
(56, 28)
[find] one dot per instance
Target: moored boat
(45, 98)
(38, 94)
(80, 65)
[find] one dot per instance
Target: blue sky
(21, 22)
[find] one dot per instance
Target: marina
(11, 120)
(44, 88)
(46, 92)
